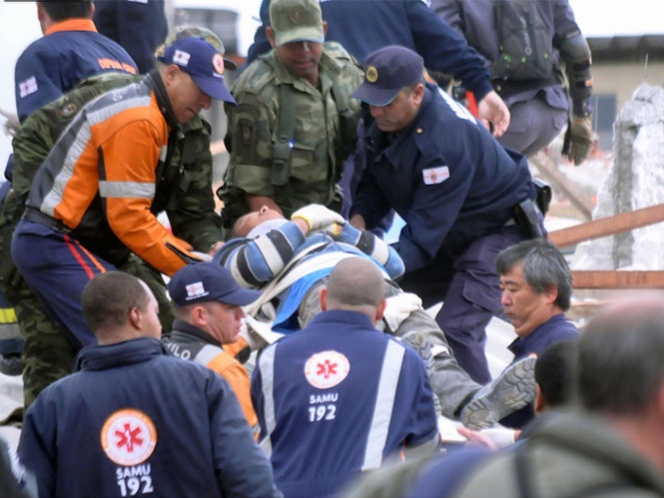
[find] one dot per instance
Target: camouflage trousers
(49, 350)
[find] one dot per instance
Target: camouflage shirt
(325, 122)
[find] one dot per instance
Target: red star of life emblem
(128, 438)
(326, 369)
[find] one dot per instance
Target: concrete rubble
(635, 181)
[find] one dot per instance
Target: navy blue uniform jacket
(137, 421)
(70, 51)
(445, 175)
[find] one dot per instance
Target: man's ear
(551, 293)
(269, 32)
(417, 95)
(324, 29)
(540, 402)
(323, 299)
(380, 310)
(170, 75)
(199, 316)
(135, 317)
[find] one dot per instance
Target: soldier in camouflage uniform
(295, 122)
(188, 200)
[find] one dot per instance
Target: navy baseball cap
(201, 60)
(386, 72)
(206, 281)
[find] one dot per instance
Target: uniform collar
(153, 80)
(523, 345)
(341, 316)
(75, 24)
(122, 353)
(382, 142)
(182, 329)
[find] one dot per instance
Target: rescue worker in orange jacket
(95, 198)
(208, 314)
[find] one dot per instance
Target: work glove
(12, 124)
(581, 139)
(318, 216)
(398, 308)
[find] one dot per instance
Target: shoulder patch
(68, 109)
(28, 86)
(432, 176)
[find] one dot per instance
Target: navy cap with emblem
(205, 282)
(386, 72)
(201, 60)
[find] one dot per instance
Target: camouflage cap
(296, 20)
(195, 32)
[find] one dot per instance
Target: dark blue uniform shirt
(556, 329)
(445, 175)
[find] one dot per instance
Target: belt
(36, 216)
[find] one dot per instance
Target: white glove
(201, 255)
(12, 124)
(318, 216)
(398, 308)
(332, 228)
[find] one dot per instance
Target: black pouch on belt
(527, 217)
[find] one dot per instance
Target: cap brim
(229, 65)
(241, 297)
(316, 35)
(214, 87)
(379, 97)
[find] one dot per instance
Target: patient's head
(245, 225)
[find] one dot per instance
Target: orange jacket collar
(75, 24)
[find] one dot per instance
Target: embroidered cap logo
(372, 74)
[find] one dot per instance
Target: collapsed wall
(635, 181)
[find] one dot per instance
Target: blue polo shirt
(555, 329)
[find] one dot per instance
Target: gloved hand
(581, 138)
(398, 308)
(12, 124)
(201, 256)
(318, 216)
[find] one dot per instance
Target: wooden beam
(615, 279)
(604, 227)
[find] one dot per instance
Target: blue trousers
(57, 267)
(465, 279)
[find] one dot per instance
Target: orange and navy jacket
(70, 51)
(191, 343)
(101, 177)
